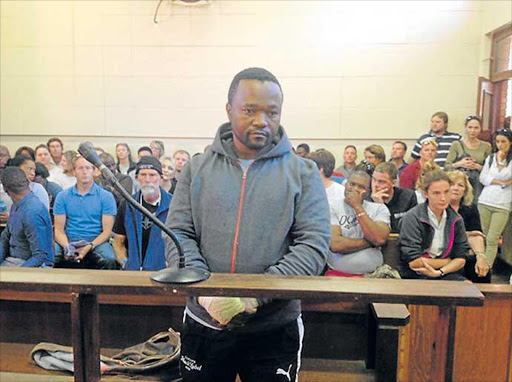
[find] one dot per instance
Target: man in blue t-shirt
(84, 216)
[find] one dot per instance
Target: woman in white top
(43, 156)
(67, 179)
(495, 201)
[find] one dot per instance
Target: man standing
(349, 161)
(144, 249)
(56, 149)
(248, 205)
(397, 200)
(398, 151)
(84, 216)
(443, 138)
(27, 239)
(358, 228)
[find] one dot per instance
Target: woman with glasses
(495, 201)
(469, 153)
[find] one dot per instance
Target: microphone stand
(181, 275)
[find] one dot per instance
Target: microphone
(182, 275)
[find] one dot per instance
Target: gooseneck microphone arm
(183, 274)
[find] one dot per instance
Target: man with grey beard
(138, 243)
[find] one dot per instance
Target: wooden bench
(85, 291)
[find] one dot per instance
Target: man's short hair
(41, 146)
(442, 115)
(378, 151)
(304, 146)
(402, 143)
(14, 180)
(55, 139)
(181, 152)
(387, 168)
(258, 74)
(350, 147)
(362, 174)
(144, 148)
(324, 160)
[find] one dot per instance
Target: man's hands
(354, 197)
(224, 309)
(381, 196)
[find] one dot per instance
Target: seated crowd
(448, 205)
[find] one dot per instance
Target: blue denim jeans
(101, 258)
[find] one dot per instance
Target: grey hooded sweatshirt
(274, 219)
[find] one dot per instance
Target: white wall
(352, 72)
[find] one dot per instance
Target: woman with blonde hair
(67, 179)
(461, 200)
(410, 174)
(167, 173)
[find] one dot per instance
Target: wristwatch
(442, 273)
(93, 247)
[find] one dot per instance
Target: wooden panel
(483, 340)
(417, 341)
(245, 285)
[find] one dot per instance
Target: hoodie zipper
(234, 245)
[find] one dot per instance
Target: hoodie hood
(223, 143)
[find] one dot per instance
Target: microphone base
(180, 275)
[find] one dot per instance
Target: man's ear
(228, 111)
(393, 182)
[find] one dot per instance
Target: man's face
(301, 151)
(438, 195)
(55, 149)
(357, 183)
(84, 171)
(180, 159)
(144, 153)
(427, 152)
(397, 151)
(381, 181)
(43, 156)
(349, 155)
(149, 181)
(148, 177)
(437, 125)
(4, 157)
(255, 114)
